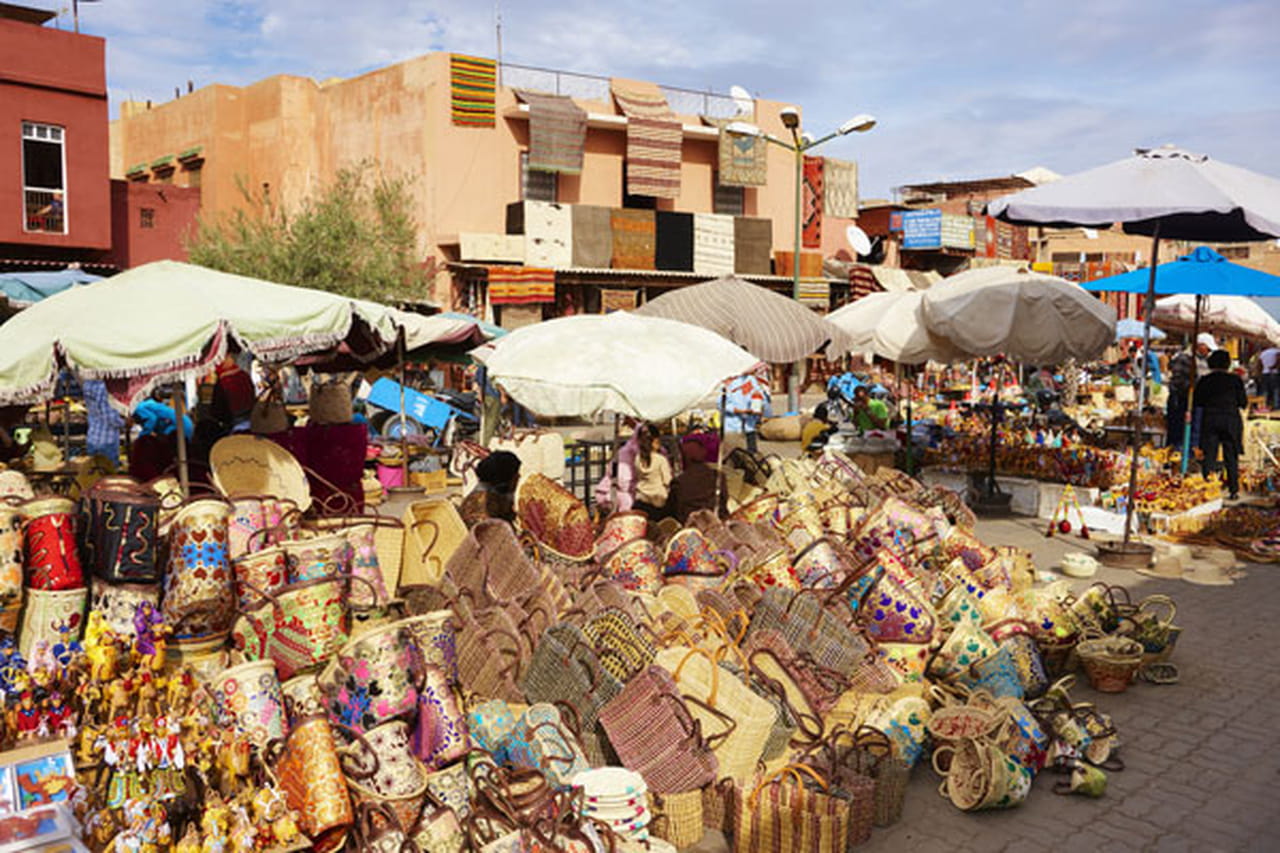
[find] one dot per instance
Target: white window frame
(53, 133)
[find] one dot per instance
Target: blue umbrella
(1204, 272)
(1132, 328)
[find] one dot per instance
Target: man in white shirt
(1269, 359)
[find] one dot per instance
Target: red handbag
(49, 543)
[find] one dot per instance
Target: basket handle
(731, 725)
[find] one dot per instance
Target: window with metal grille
(730, 200)
(44, 171)
(147, 217)
(535, 184)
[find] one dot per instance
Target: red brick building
(57, 202)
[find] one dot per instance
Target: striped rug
(512, 285)
(472, 90)
(812, 233)
(557, 132)
(654, 140)
(814, 292)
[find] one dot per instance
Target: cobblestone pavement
(1202, 766)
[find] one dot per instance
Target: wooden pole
(404, 420)
(1136, 441)
(180, 417)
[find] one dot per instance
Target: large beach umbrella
(1163, 193)
(645, 367)
(166, 321)
(1027, 316)
(770, 326)
(1131, 328)
(891, 325)
(1236, 316)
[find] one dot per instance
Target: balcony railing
(45, 210)
(593, 87)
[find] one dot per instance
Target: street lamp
(799, 145)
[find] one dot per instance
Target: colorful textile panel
(634, 239)
(743, 160)
(472, 90)
(814, 292)
(811, 235)
(521, 285)
(557, 132)
(840, 189)
(654, 140)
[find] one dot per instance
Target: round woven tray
(252, 465)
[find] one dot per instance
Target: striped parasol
(770, 326)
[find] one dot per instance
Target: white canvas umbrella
(891, 325)
(580, 366)
(1030, 317)
(1163, 193)
(1222, 315)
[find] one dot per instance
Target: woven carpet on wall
(674, 245)
(654, 140)
(592, 236)
(743, 160)
(811, 235)
(840, 189)
(634, 238)
(512, 285)
(713, 244)
(472, 90)
(557, 132)
(752, 245)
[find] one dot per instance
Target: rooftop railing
(594, 87)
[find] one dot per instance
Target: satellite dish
(858, 239)
(742, 100)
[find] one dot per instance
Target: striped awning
(770, 326)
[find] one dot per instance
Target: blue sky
(961, 90)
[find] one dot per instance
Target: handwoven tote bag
(433, 531)
(653, 733)
(440, 733)
(490, 564)
(782, 815)
(721, 695)
(617, 641)
(199, 592)
(811, 629)
(11, 556)
(121, 536)
(566, 670)
(388, 543)
(314, 786)
(49, 543)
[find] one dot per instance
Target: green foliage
(356, 237)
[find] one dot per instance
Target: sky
(960, 90)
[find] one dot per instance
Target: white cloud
(961, 90)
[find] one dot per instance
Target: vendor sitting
(494, 494)
(868, 413)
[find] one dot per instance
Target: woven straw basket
(252, 465)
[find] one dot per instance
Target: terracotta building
(287, 136)
(54, 193)
(58, 201)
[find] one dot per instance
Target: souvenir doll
(101, 648)
(25, 719)
(190, 841)
(150, 630)
(61, 719)
(67, 649)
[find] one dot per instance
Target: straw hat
(244, 465)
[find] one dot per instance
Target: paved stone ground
(1202, 766)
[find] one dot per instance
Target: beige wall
(294, 133)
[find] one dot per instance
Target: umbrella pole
(404, 449)
(720, 452)
(1136, 441)
(1191, 390)
(180, 417)
(613, 480)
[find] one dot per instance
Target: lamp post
(799, 145)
